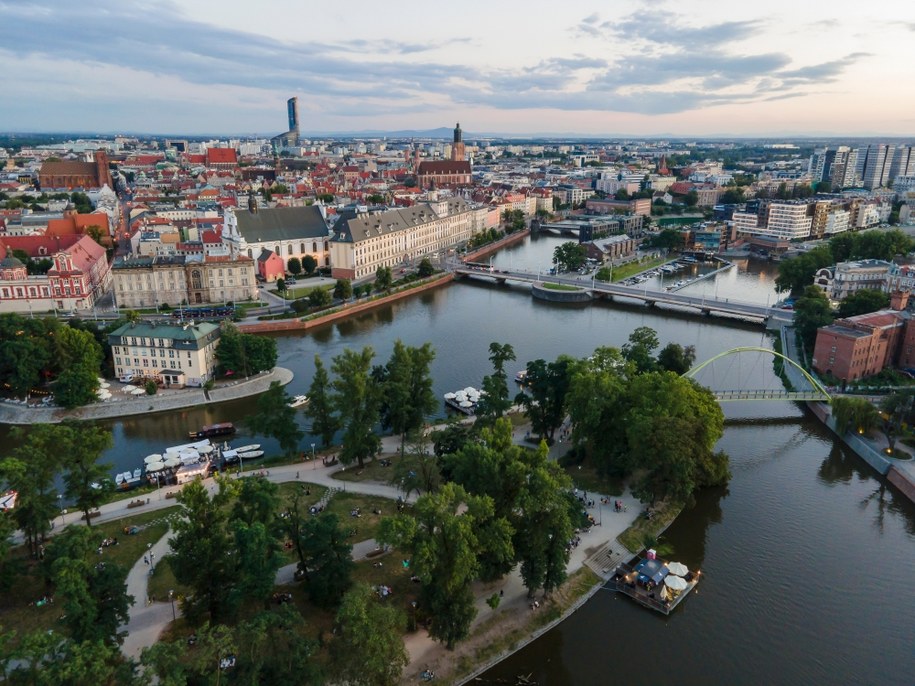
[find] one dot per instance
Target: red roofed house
(221, 158)
(270, 266)
(79, 277)
(75, 224)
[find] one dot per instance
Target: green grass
(559, 287)
(373, 470)
(633, 268)
(664, 513)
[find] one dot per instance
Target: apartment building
(176, 355)
(364, 242)
(845, 278)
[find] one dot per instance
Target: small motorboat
(248, 448)
(298, 401)
(250, 454)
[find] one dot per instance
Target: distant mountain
(440, 132)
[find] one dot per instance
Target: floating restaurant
(654, 583)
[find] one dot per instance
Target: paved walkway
(122, 405)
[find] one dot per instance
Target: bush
(151, 387)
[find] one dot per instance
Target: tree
(407, 389)
(357, 403)
(383, 279)
(309, 265)
(691, 199)
(368, 650)
(668, 239)
(9, 565)
(200, 552)
(343, 289)
(76, 386)
(895, 411)
(621, 194)
(732, 196)
(425, 268)
(441, 537)
(643, 341)
(325, 557)
(319, 297)
(823, 187)
(275, 418)
(324, 423)
(281, 286)
(569, 256)
(858, 414)
(294, 266)
(30, 470)
(94, 592)
(677, 358)
(255, 559)
(240, 353)
(545, 401)
(543, 524)
(671, 427)
(80, 357)
(811, 311)
(495, 401)
(86, 481)
(48, 658)
(862, 302)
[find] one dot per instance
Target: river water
(806, 556)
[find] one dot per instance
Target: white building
(182, 355)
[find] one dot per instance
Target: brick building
(442, 174)
(72, 174)
(861, 346)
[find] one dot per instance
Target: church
(446, 173)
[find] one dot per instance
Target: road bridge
(701, 304)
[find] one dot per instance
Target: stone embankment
(165, 400)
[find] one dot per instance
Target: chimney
(899, 300)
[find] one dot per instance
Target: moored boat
(298, 401)
(221, 429)
(247, 448)
(250, 454)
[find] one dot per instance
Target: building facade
(182, 355)
(845, 278)
(176, 280)
(363, 243)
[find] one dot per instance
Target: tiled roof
(221, 156)
(281, 224)
(364, 226)
(444, 167)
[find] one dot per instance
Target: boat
(247, 448)
(127, 480)
(298, 401)
(521, 376)
(250, 454)
(8, 500)
(222, 429)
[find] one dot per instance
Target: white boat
(250, 454)
(298, 401)
(230, 455)
(521, 376)
(247, 448)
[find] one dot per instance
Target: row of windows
(172, 364)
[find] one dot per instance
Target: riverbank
(165, 400)
(496, 246)
(343, 311)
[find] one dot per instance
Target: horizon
(652, 69)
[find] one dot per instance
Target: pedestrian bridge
(812, 392)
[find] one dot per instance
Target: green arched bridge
(816, 392)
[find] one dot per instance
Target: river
(806, 556)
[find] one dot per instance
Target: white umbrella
(675, 583)
(155, 466)
(104, 384)
(677, 568)
(172, 461)
(449, 396)
(466, 403)
(138, 391)
(155, 457)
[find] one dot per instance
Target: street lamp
(171, 598)
(60, 497)
(313, 456)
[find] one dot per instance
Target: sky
(615, 67)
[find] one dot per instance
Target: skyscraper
(292, 107)
(877, 165)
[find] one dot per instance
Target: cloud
(651, 62)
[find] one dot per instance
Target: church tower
(457, 147)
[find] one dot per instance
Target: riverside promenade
(165, 400)
(872, 448)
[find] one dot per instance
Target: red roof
(221, 156)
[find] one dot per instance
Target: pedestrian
(297, 476)
(146, 559)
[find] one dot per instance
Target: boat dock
(464, 400)
(648, 585)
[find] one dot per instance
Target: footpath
(872, 448)
(123, 405)
(595, 547)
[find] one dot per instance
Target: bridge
(815, 393)
(702, 304)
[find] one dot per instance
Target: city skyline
(644, 68)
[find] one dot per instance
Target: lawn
(16, 608)
(559, 287)
(627, 270)
(634, 538)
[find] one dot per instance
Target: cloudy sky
(643, 67)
